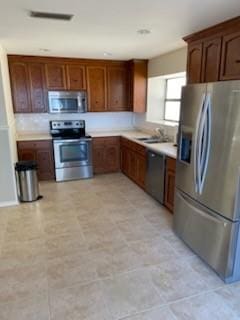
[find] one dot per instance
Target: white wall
(8, 194)
(94, 121)
(170, 63)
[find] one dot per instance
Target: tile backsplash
(94, 121)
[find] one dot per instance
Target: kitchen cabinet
(110, 85)
(37, 88)
(106, 154)
(133, 161)
(211, 59)
(138, 85)
(56, 76)
(97, 88)
(42, 152)
(20, 87)
(194, 62)
(170, 183)
(76, 77)
(28, 87)
(230, 64)
(214, 53)
(118, 88)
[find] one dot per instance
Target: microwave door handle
(79, 100)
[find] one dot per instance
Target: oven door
(67, 102)
(72, 153)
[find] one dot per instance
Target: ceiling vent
(50, 15)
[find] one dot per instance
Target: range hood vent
(51, 15)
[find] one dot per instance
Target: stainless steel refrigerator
(207, 198)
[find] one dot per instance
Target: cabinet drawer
(140, 149)
(111, 140)
(105, 140)
(171, 164)
(125, 142)
(34, 144)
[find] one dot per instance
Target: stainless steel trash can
(27, 181)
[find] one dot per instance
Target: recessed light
(107, 54)
(143, 31)
(44, 49)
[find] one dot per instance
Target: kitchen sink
(142, 139)
(151, 140)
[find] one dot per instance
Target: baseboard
(8, 203)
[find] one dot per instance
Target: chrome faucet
(161, 134)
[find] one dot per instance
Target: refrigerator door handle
(204, 143)
(196, 166)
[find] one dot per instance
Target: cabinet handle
(237, 61)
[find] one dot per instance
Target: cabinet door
(170, 183)
(211, 60)
(124, 160)
(42, 153)
(96, 82)
(194, 62)
(112, 157)
(76, 79)
(230, 62)
(132, 165)
(56, 76)
(20, 87)
(44, 158)
(138, 85)
(141, 170)
(37, 87)
(26, 154)
(99, 155)
(118, 88)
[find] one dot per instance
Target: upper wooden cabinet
(194, 65)
(56, 76)
(230, 66)
(110, 85)
(37, 87)
(28, 87)
(20, 87)
(76, 78)
(97, 88)
(211, 60)
(138, 84)
(118, 88)
(214, 53)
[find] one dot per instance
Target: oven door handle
(61, 142)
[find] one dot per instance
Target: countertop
(165, 148)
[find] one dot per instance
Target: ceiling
(110, 26)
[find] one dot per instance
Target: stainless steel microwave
(67, 101)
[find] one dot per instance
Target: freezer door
(212, 237)
(212, 176)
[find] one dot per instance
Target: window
(173, 98)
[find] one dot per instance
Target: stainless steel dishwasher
(155, 175)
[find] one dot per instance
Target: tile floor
(102, 249)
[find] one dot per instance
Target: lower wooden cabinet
(133, 161)
(42, 152)
(106, 154)
(170, 183)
